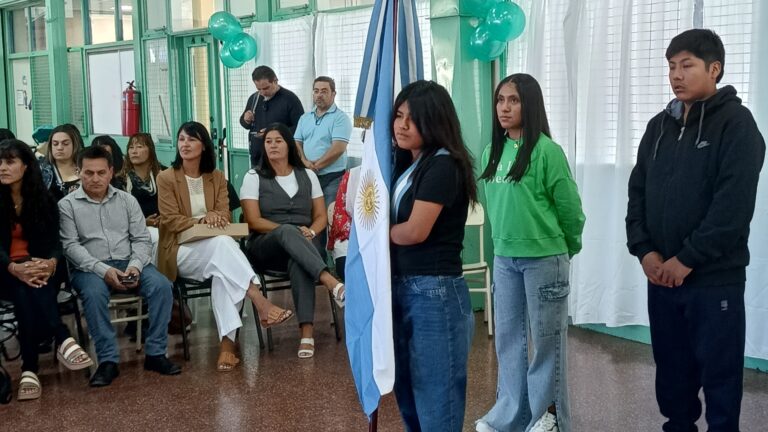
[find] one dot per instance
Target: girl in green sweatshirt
(534, 209)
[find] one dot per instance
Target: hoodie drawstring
(701, 123)
(658, 140)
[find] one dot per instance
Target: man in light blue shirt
(322, 135)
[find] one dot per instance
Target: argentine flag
(368, 320)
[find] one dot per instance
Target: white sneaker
(547, 423)
(481, 426)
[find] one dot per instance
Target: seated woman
(341, 223)
(284, 207)
(29, 252)
(109, 144)
(139, 177)
(193, 192)
(59, 166)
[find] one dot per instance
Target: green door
(200, 89)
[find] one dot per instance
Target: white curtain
(288, 48)
(339, 48)
(757, 273)
(603, 72)
(617, 82)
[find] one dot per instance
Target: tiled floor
(611, 384)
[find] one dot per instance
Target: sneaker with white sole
(547, 423)
(481, 426)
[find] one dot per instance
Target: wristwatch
(314, 234)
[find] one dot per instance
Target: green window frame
(279, 13)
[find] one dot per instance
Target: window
(126, 18)
(76, 90)
(192, 14)
(288, 8)
(243, 8)
(340, 55)
(28, 29)
(733, 21)
(340, 4)
(101, 14)
(545, 63)
(108, 73)
(110, 20)
(73, 19)
(621, 73)
(287, 47)
(157, 99)
(156, 14)
(42, 106)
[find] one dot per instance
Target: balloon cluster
(501, 22)
(239, 47)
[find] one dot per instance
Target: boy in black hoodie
(691, 199)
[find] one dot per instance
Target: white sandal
(29, 381)
(69, 351)
(339, 292)
(306, 352)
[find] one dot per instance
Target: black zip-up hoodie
(692, 191)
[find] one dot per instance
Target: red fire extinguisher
(131, 110)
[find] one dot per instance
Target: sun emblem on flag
(368, 205)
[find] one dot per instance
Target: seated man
(104, 236)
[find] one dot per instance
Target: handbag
(175, 326)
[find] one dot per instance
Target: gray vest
(279, 208)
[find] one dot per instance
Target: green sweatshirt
(539, 216)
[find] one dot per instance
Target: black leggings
(37, 315)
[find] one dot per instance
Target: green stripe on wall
(642, 334)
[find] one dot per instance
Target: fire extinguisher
(131, 110)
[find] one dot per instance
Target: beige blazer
(176, 211)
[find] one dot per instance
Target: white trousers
(219, 258)
(154, 237)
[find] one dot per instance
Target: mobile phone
(131, 278)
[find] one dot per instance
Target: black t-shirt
(438, 181)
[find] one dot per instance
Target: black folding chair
(274, 280)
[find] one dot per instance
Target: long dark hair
(197, 130)
(534, 123)
(74, 135)
(434, 115)
(264, 168)
(38, 208)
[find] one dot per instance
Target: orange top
(19, 245)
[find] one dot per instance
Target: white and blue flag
(393, 44)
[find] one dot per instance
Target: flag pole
(373, 423)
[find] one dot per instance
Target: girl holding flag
(432, 313)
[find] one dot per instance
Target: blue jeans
(433, 325)
(530, 295)
(94, 293)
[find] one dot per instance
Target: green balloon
(224, 26)
(226, 57)
(505, 21)
(477, 8)
(483, 47)
(243, 47)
